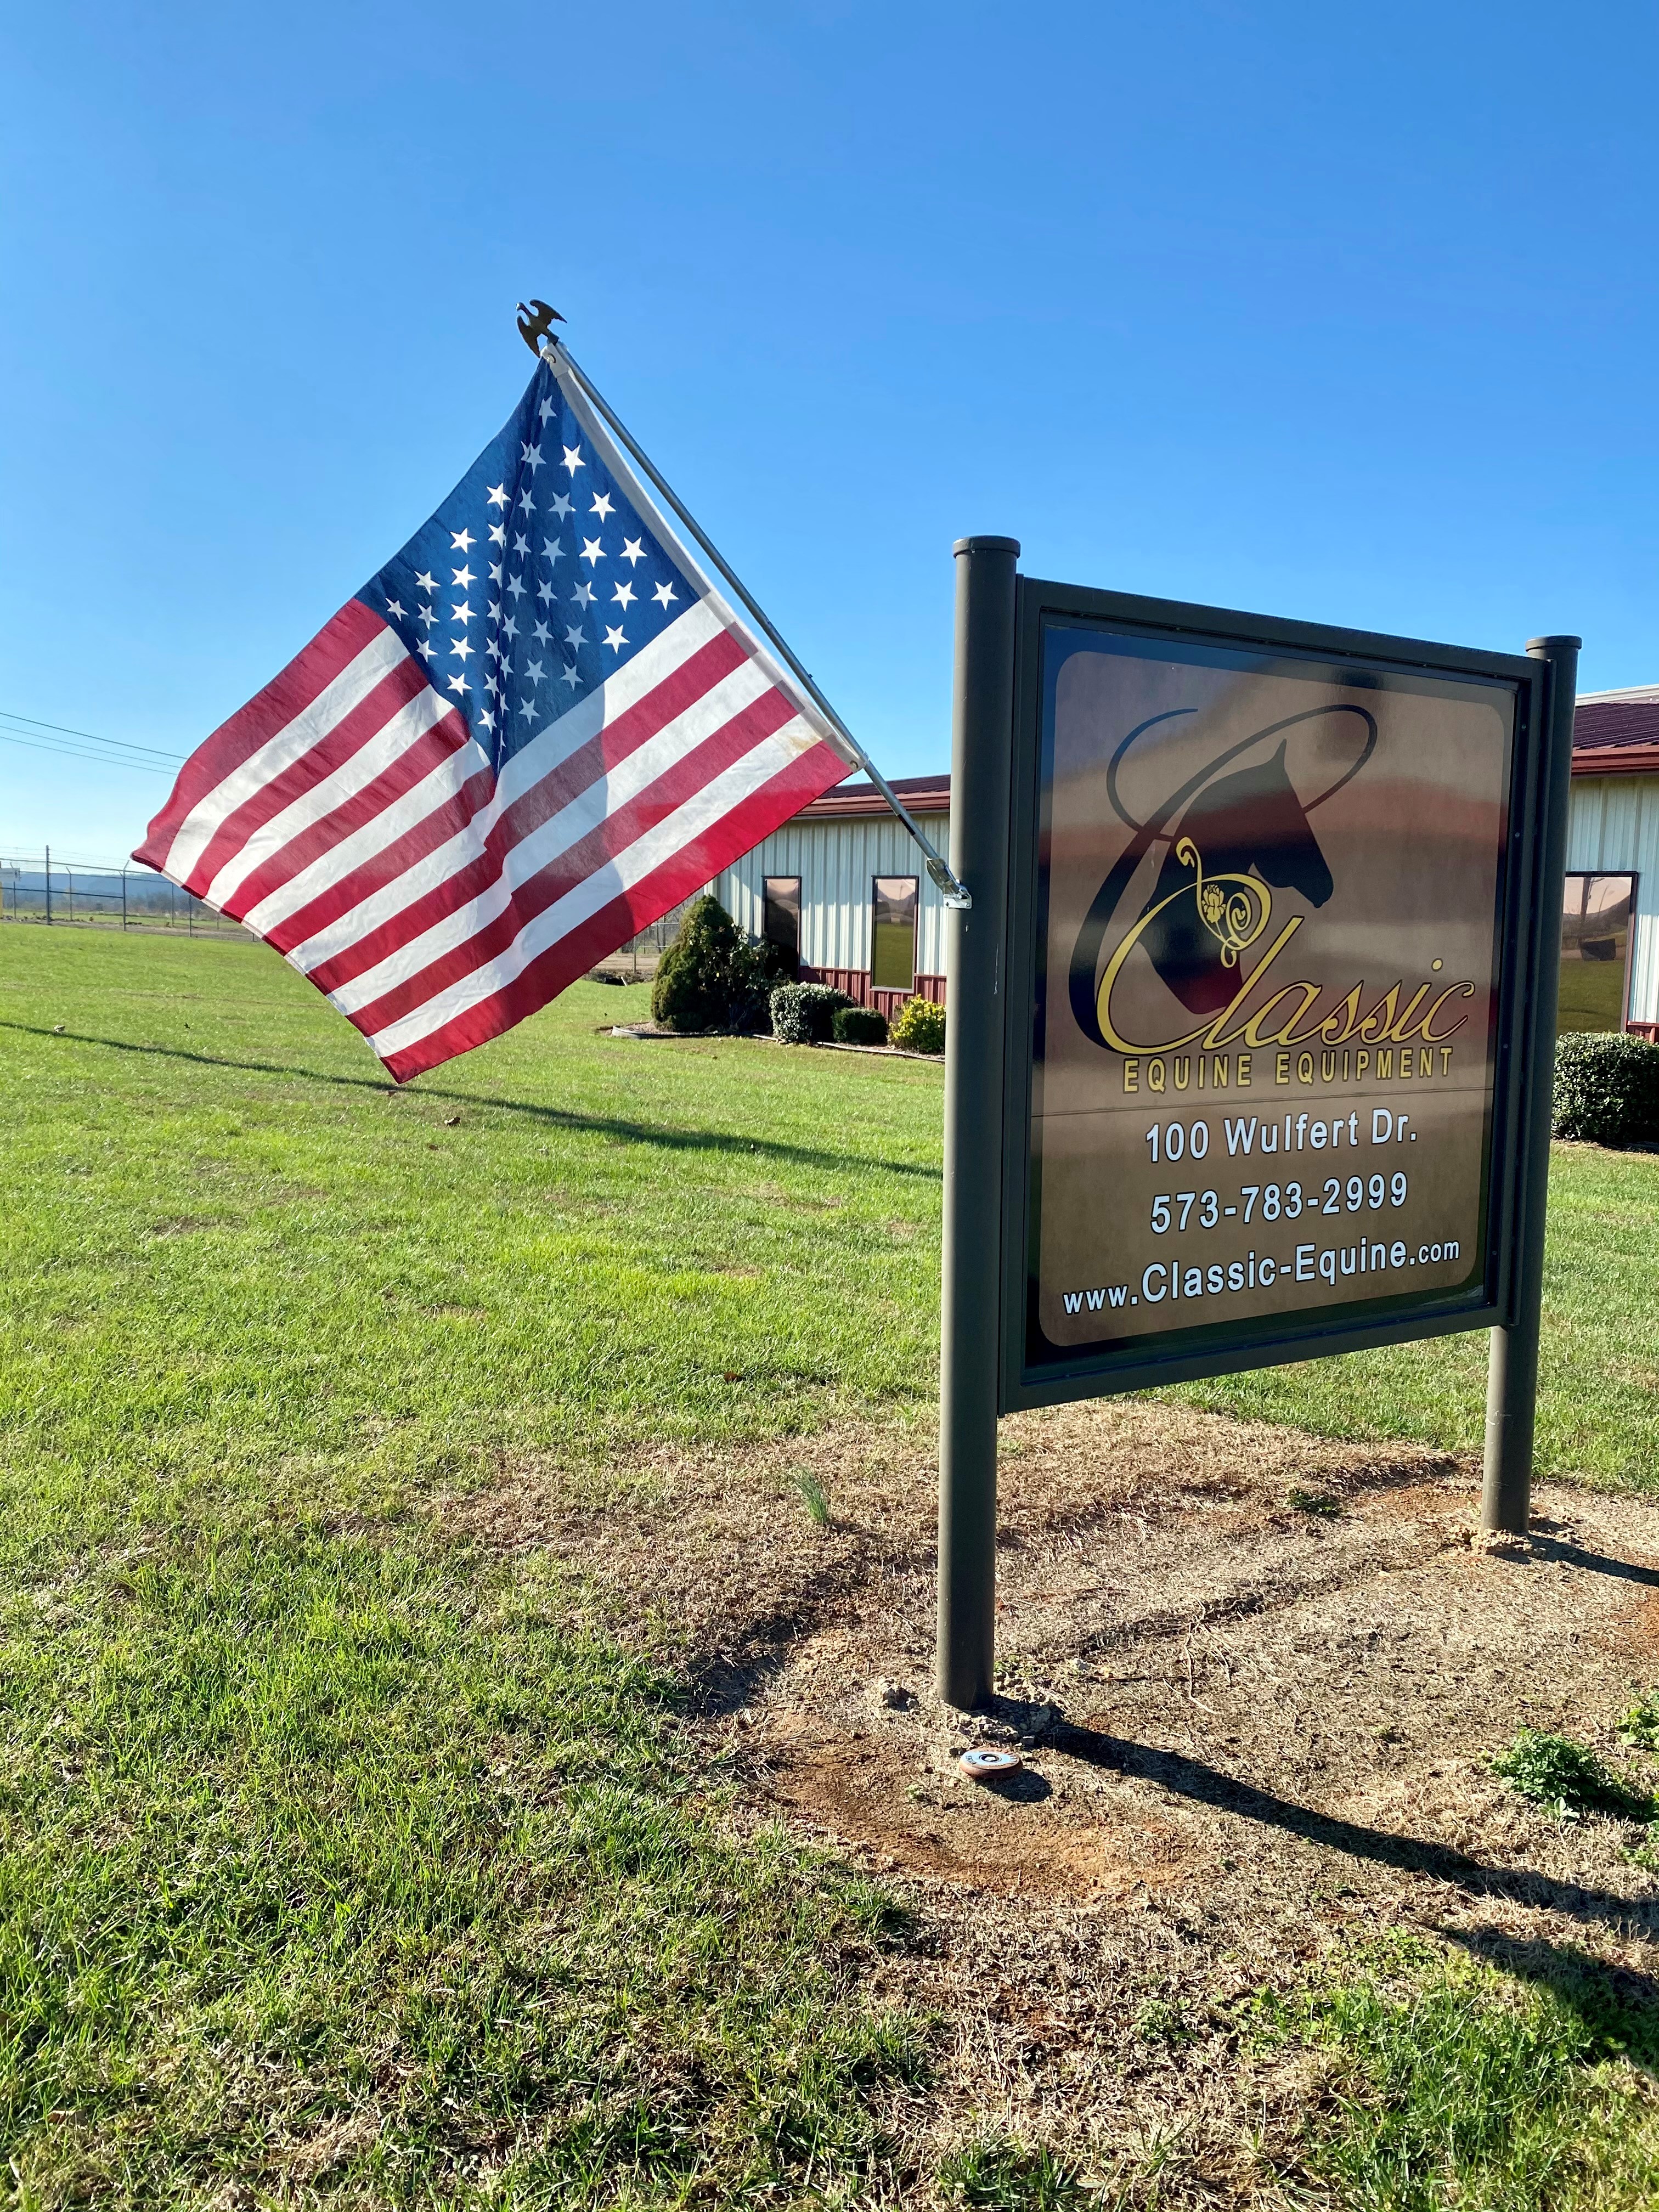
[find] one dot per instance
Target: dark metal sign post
(1252, 1019)
(975, 957)
(1512, 1374)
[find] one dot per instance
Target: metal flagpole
(543, 342)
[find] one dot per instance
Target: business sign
(1269, 917)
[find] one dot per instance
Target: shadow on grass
(1618, 2004)
(596, 1125)
(1208, 1785)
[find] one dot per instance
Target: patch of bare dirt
(1256, 1680)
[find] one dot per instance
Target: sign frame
(1525, 913)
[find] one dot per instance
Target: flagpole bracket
(955, 893)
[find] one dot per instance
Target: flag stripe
(385, 869)
(685, 825)
(525, 840)
(289, 741)
(247, 823)
(633, 906)
(356, 753)
(287, 696)
(413, 781)
(610, 829)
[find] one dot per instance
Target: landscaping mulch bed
(651, 1031)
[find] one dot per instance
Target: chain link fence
(51, 890)
(55, 891)
(636, 961)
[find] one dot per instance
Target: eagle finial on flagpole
(535, 321)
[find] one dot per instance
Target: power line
(156, 753)
(127, 745)
(80, 752)
(82, 863)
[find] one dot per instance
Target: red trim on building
(922, 794)
(1615, 760)
(855, 982)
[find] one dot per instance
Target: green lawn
(333, 1853)
(239, 1247)
(330, 1854)
(234, 1248)
(1598, 1401)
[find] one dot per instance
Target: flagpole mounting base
(955, 893)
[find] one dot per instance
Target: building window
(780, 925)
(893, 954)
(1595, 917)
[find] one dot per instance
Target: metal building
(1610, 936)
(843, 885)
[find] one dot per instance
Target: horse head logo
(1231, 840)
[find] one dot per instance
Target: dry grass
(1257, 1735)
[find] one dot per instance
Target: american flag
(535, 731)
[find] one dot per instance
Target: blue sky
(1339, 313)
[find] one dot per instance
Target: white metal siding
(837, 863)
(1614, 824)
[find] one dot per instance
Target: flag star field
(533, 581)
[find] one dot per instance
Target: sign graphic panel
(1268, 898)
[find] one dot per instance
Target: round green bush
(920, 1027)
(1607, 1089)
(710, 978)
(805, 1014)
(860, 1025)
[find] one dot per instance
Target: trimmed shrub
(710, 978)
(920, 1027)
(692, 989)
(805, 1014)
(757, 970)
(1607, 1089)
(860, 1025)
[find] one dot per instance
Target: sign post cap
(986, 546)
(1542, 645)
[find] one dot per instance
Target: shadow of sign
(1208, 1785)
